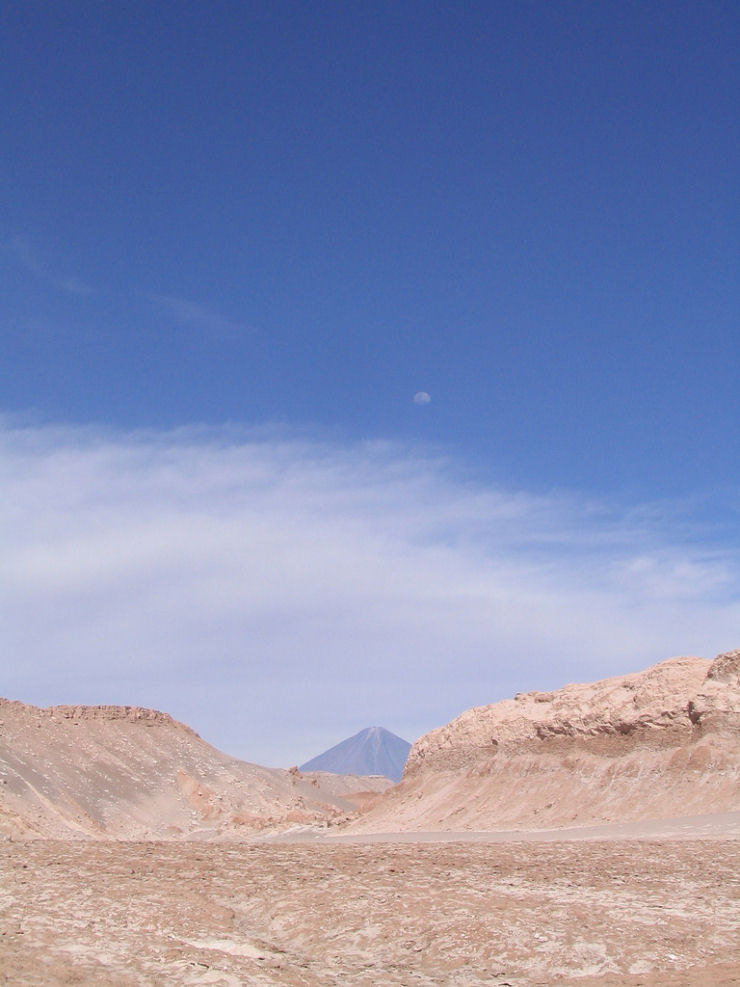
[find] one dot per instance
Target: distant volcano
(373, 751)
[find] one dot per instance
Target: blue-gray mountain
(373, 751)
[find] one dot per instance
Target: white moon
(421, 397)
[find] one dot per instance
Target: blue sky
(241, 237)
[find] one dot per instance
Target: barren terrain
(658, 743)
(589, 836)
(124, 772)
(650, 912)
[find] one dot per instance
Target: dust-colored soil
(610, 912)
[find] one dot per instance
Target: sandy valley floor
(521, 913)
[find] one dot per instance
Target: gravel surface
(611, 912)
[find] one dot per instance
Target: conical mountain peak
(372, 751)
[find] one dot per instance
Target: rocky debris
(587, 913)
(360, 790)
(133, 714)
(130, 713)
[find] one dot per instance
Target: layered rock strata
(656, 744)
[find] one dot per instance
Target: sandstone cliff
(130, 773)
(660, 743)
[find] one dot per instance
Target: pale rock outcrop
(654, 744)
(716, 706)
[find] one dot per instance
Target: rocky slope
(659, 743)
(130, 773)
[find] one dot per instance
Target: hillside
(654, 744)
(131, 773)
(660, 743)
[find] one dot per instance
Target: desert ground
(134, 853)
(516, 910)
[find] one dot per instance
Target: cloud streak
(279, 592)
(20, 248)
(182, 313)
(189, 315)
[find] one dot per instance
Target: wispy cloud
(280, 593)
(21, 250)
(75, 286)
(190, 315)
(181, 312)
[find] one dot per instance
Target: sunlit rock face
(659, 743)
(716, 707)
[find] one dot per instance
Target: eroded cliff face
(716, 706)
(648, 707)
(659, 743)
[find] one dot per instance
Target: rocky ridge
(653, 744)
(125, 772)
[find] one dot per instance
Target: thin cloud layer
(279, 592)
(21, 250)
(190, 315)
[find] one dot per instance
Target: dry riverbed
(617, 912)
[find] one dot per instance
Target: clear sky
(236, 240)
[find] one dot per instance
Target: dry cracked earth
(611, 912)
